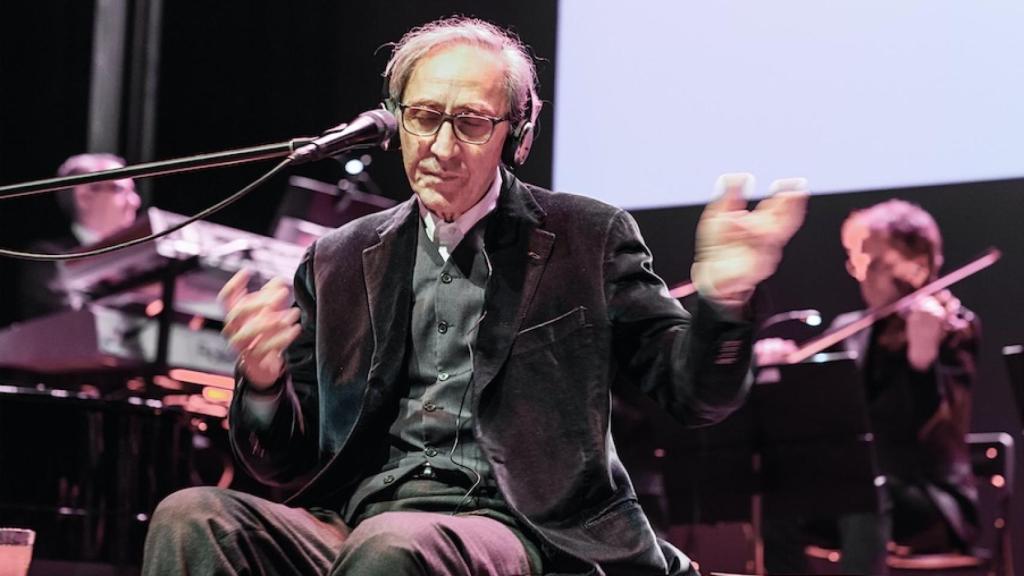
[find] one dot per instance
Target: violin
(936, 288)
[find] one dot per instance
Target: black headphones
(517, 144)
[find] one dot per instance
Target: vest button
(430, 406)
(389, 479)
(446, 278)
(443, 376)
(430, 452)
(442, 327)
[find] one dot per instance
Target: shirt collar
(84, 235)
(447, 235)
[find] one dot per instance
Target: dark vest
(432, 434)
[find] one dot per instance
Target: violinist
(918, 370)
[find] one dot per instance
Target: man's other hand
(259, 326)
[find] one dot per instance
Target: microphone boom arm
(371, 128)
(173, 166)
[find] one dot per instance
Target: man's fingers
(264, 300)
(237, 288)
(788, 185)
(789, 209)
(788, 198)
(234, 289)
(275, 294)
(782, 213)
(241, 313)
(731, 191)
(275, 345)
(290, 316)
(259, 325)
(263, 324)
(274, 283)
(245, 338)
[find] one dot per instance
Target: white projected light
(654, 102)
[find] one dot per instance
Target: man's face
(891, 273)
(449, 175)
(106, 207)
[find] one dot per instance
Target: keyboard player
(96, 211)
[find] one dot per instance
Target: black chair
(993, 465)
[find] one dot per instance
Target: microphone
(369, 129)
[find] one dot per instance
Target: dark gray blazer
(573, 308)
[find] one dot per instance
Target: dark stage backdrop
(239, 73)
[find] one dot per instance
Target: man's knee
(188, 503)
(189, 506)
(412, 532)
(406, 545)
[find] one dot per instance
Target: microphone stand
(173, 166)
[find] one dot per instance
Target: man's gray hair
(520, 72)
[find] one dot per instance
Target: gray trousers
(205, 530)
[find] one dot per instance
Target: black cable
(468, 496)
(471, 338)
(136, 241)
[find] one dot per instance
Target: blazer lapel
(518, 250)
(389, 301)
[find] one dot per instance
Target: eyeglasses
(112, 186)
(469, 128)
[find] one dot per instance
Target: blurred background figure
(918, 370)
(95, 210)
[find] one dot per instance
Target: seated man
(918, 370)
(96, 210)
(441, 391)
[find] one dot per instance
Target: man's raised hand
(738, 248)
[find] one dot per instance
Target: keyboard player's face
(106, 207)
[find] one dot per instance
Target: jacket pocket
(549, 331)
(620, 514)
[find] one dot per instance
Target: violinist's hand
(259, 326)
(738, 248)
(927, 323)
(773, 351)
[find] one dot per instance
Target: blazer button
(443, 376)
(446, 278)
(389, 479)
(430, 452)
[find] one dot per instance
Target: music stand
(814, 438)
